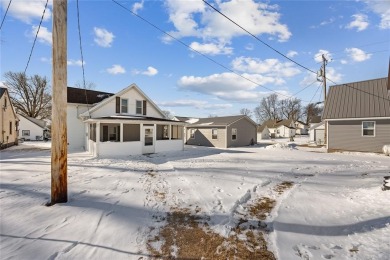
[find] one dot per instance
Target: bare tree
(88, 85)
(267, 109)
(290, 108)
(311, 110)
(167, 114)
(246, 112)
(29, 95)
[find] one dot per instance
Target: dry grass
(282, 187)
(186, 236)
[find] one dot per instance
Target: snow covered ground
(335, 209)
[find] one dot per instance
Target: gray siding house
(357, 116)
(222, 132)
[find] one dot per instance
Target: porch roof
(133, 118)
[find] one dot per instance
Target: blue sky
(120, 49)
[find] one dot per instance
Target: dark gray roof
(362, 99)
(218, 121)
(314, 119)
(86, 96)
(2, 91)
(182, 118)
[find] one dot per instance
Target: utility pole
(323, 74)
(59, 149)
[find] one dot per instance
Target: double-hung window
(368, 128)
(138, 107)
(124, 106)
(192, 133)
(234, 133)
(214, 133)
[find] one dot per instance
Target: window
(124, 106)
(131, 132)
(138, 107)
(214, 133)
(192, 133)
(110, 132)
(234, 133)
(92, 132)
(25, 132)
(368, 128)
(176, 132)
(10, 127)
(162, 132)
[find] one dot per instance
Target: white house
(263, 132)
(284, 131)
(301, 128)
(126, 123)
(31, 128)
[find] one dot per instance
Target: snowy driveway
(335, 210)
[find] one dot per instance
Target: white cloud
(116, 69)
(343, 61)
(194, 19)
(360, 22)
(137, 6)
(229, 86)
(318, 55)
(268, 67)
(75, 63)
(211, 48)
(150, 71)
(249, 47)
(199, 104)
(103, 37)
(292, 54)
(27, 11)
(2, 84)
(357, 55)
(382, 8)
(44, 35)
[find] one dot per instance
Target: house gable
(130, 95)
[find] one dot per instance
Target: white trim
(327, 135)
(368, 129)
(361, 118)
(127, 106)
(142, 107)
(232, 134)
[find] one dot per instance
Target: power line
(36, 36)
(269, 46)
(5, 14)
(319, 86)
(81, 53)
(305, 88)
(257, 38)
(189, 47)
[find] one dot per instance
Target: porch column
(121, 132)
(97, 138)
(141, 135)
(169, 131)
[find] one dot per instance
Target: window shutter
(144, 107)
(118, 105)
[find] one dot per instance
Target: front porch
(123, 137)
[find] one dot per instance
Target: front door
(148, 144)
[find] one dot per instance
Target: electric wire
(5, 14)
(81, 54)
(269, 46)
(257, 38)
(36, 36)
(192, 49)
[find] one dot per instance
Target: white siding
(115, 149)
(169, 145)
(76, 127)
(35, 130)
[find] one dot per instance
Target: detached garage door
(319, 136)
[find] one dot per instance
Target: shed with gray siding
(222, 132)
(357, 116)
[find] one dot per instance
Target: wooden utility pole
(59, 144)
(323, 74)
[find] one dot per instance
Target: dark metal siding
(347, 136)
(358, 100)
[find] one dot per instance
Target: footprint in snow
(328, 256)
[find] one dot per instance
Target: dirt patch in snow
(262, 208)
(188, 236)
(281, 187)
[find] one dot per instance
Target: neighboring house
(79, 101)
(317, 133)
(31, 128)
(222, 132)
(271, 125)
(284, 131)
(129, 123)
(301, 128)
(9, 121)
(357, 116)
(263, 132)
